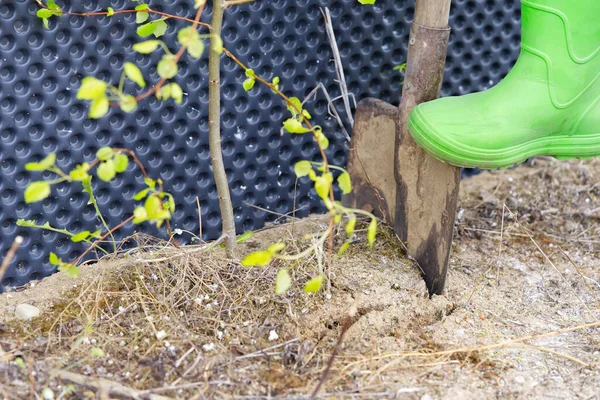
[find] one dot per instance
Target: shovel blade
(371, 159)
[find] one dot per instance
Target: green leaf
(345, 183)
(161, 28)
(275, 82)
(196, 48)
(146, 47)
(189, 37)
(121, 161)
(292, 125)
(343, 248)
(244, 237)
(99, 107)
(110, 12)
(146, 29)
(186, 35)
(128, 103)
(37, 191)
(141, 17)
(91, 88)
(314, 285)
(295, 107)
(302, 168)
(46, 25)
(42, 165)
(366, 1)
(257, 259)
(250, 73)
(140, 215)
(153, 206)
(105, 153)
(249, 84)
(151, 183)
(199, 3)
(141, 194)
(54, 260)
(283, 281)
(176, 93)
(274, 249)
(133, 72)
(70, 270)
(350, 226)
(306, 114)
(164, 93)
(217, 44)
(167, 67)
(400, 67)
(106, 170)
(321, 138)
(81, 236)
(323, 185)
(44, 13)
(372, 232)
(53, 6)
(96, 352)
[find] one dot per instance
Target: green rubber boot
(549, 103)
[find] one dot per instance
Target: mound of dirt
(519, 317)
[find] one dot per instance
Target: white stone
(161, 335)
(273, 336)
(47, 394)
(27, 311)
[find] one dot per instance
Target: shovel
(393, 177)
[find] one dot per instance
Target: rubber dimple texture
(40, 71)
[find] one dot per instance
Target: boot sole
(563, 147)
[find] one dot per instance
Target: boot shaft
(565, 34)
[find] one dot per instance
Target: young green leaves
(170, 90)
(250, 80)
(52, 10)
(39, 190)
(157, 27)
(263, 258)
(167, 66)
(94, 90)
(111, 163)
(190, 38)
(71, 270)
(158, 206)
(97, 92)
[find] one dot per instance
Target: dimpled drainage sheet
(40, 71)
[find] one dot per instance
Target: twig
(184, 252)
(556, 353)
(10, 255)
(330, 106)
(339, 69)
(199, 218)
(111, 388)
(347, 323)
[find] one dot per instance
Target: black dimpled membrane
(40, 71)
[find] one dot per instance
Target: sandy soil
(524, 263)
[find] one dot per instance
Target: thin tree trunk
(214, 130)
(427, 190)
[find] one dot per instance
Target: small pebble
(273, 336)
(47, 394)
(161, 335)
(27, 311)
